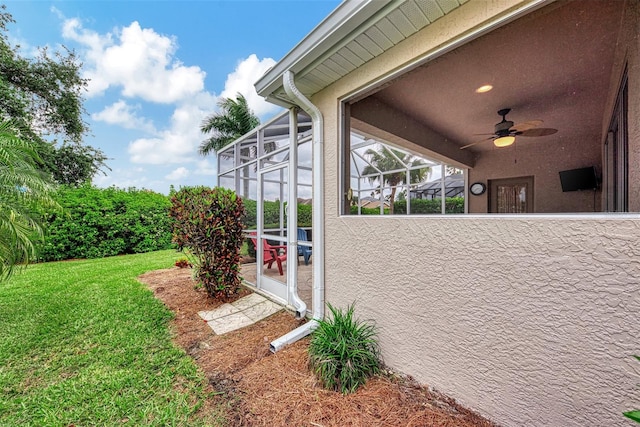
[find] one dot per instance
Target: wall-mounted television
(579, 179)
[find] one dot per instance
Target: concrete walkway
(238, 314)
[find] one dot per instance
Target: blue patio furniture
(304, 251)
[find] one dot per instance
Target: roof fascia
(330, 35)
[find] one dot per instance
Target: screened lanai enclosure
(271, 168)
(387, 180)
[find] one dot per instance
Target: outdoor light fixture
(504, 141)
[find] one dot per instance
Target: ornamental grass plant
(344, 351)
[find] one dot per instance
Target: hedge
(100, 222)
(418, 207)
(424, 206)
(272, 215)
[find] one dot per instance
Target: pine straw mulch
(263, 389)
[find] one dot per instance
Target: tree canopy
(43, 96)
(72, 164)
(392, 166)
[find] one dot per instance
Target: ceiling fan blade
(539, 132)
(483, 134)
(525, 126)
(477, 142)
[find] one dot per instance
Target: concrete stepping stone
(238, 314)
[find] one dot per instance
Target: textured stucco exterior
(531, 320)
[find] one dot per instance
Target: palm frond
(234, 119)
(25, 195)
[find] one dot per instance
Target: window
(387, 180)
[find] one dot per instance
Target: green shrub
(100, 222)
(304, 215)
(272, 215)
(343, 351)
(367, 211)
(634, 415)
(208, 222)
(424, 206)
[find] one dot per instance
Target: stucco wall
(529, 320)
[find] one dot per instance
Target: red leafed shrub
(183, 263)
(207, 222)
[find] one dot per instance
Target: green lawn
(83, 343)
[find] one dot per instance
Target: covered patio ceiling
(552, 65)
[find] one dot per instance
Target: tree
(25, 194)
(397, 163)
(72, 164)
(234, 119)
(43, 96)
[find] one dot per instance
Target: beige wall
(529, 320)
(628, 53)
(543, 161)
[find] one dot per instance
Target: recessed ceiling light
(484, 88)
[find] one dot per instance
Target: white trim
(337, 29)
(610, 216)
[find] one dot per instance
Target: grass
(83, 343)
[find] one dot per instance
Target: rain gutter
(318, 214)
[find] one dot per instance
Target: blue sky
(157, 68)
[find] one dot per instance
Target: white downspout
(292, 217)
(318, 215)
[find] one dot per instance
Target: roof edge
(345, 18)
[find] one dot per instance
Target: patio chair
(270, 253)
(304, 251)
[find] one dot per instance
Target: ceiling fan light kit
(504, 141)
(505, 132)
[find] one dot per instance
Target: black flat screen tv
(579, 179)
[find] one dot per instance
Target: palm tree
(234, 119)
(388, 159)
(25, 194)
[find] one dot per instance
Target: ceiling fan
(505, 131)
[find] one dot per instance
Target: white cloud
(141, 64)
(206, 167)
(124, 178)
(138, 60)
(179, 142)
(242, 79)
(177, 174)
(123, 114)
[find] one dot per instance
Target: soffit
(355, 33)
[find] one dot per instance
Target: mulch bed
(263, 389)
